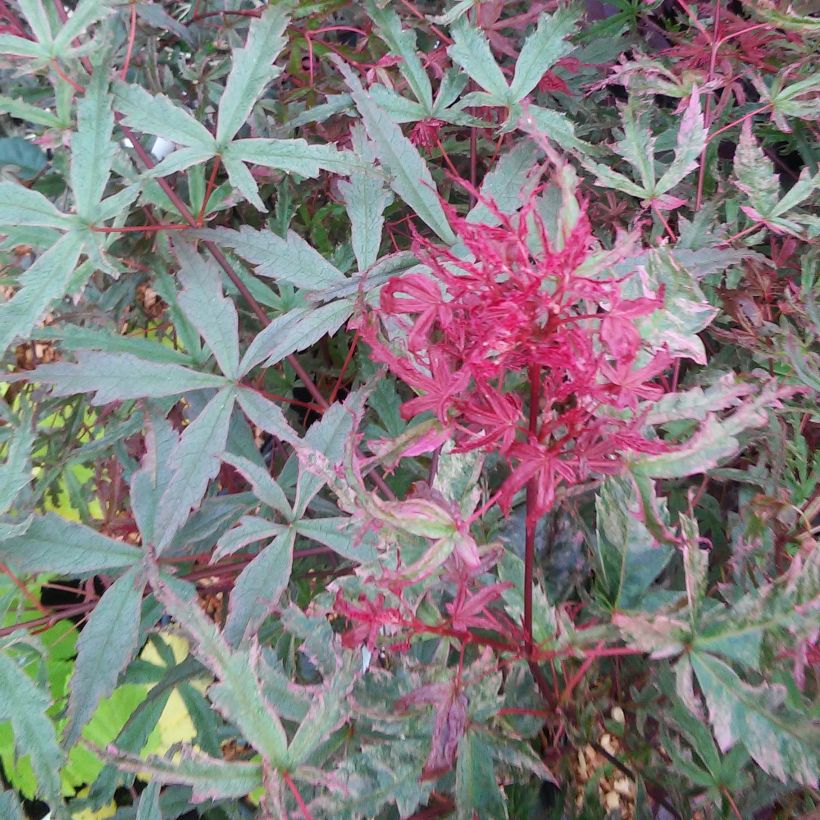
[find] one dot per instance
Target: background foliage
(409, 409)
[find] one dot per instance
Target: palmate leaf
(410, 177)
(24, 704)
(238, 693)
(53, 544)
(15, 472)
(263, 486)
(249, 530)
(293, 156)
(266, 415)
(204, 303)
(506, 184)
(715, 440)
(637, 147)
(160, 116)
(782, 741)
(365, 199)
(476, 785)
(629, 556)
(541, 50)
(92, 150)
(121, 376)
(690, 144)
(258, 588)
(195, 461)
(106, 646)
(402, 43)
(290, 260)
(74, 337)
(35, 14)
(24, 206)
(210, 778)
(40, 286)
(150, 481)
(471, 50)
(180, 160)
(242, 180)
(295, 330)
(15, 46)
(251, 70)
(82, 16)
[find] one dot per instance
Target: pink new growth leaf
(480, 326)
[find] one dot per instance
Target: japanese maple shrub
(409, 409)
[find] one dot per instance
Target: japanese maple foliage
(409, 409)
(522, 344)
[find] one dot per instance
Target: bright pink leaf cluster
(518, 324)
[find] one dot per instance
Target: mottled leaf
(629, 557)
(715, 440)
(326, 436)
(476, 785)
(783, 742)
(238, 694)
(340, 534)
(690, 145)
(325, 715)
